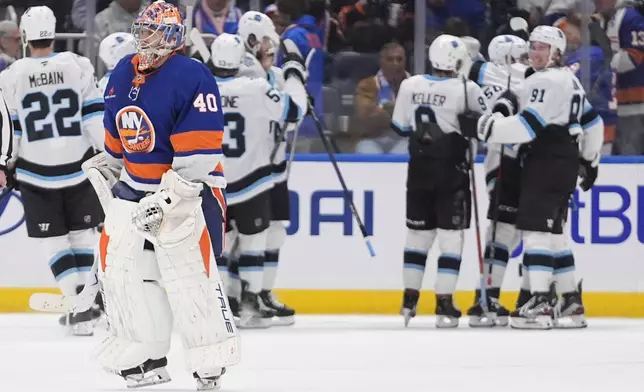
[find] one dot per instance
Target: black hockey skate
(209, 380)
(569, 311)
(250, 313)
(283, 314)
(523, 298)
(83, 323)
(535, 314)
(234, 308)
(497, 315)
(410, 302)
(447, 314)
(151, 372)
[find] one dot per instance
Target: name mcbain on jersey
(428, 99)
(46, 78)
(229, 101)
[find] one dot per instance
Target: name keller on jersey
(428, 99)
(46, 78)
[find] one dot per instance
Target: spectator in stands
(277, 19)
(79, 12)
(374, 105)
(333, 40)
(472, 12)
(217, 16)
(117, 18)
(9, 43)
(603, 97)
(365, 26)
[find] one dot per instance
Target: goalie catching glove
(294, 62)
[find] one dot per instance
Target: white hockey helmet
(254, 27)
(38, 23)
(503, 49)
(114, 47)
(449, 53)
(551, 36)
(227, 51)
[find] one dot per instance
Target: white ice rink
(353, 354)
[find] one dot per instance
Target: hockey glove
(294, 62)
(468, 122)
(485, 124)
(507, 104)
(588, 174)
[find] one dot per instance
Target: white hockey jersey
(552, 97)
(58, 110)
(252, 68)
(250, 106)
(426, 98)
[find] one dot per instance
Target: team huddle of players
(541, 134)
(165, 141)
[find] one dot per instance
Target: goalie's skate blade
(283, 321)
(446, 322)
(539, 322)
(570, 322)
(486, 321)
(153, 377)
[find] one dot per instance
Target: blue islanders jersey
(170, 118)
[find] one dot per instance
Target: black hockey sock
(496, 260)
(539, 265)
(414, 269)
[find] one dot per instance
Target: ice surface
(353, 354)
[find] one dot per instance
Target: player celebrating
(250, 106)
(438, 195)
(111, 50)
(57, 109)
(260, 39)
(164, 227)
(553, 114)
(507, 55)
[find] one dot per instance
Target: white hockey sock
(234, 287)
(449, 266)
(564, 272)
(414, 268)
(270, 269)
(539, 266)
(525, 279)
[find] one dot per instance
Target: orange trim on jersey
(630, 95)
(102, 247)
(197, 140)
(609, 133)
(148, 171)
(636, 54)
(205, 248)
(113, 143)
(220, 168)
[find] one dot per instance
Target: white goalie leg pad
(417, 246)
(137, 308)
(198, 300)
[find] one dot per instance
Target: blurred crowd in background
(367, 48)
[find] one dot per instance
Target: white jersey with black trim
(250, 106)
(552, 97)
(6, 135)
(426, 98)
(252, 68)
(58, 113)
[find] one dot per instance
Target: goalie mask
(158, 33)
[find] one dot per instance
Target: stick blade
(48, 302)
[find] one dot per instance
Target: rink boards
(325, 266)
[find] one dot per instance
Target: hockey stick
(291, 152)
(347, 196)
(477, 224)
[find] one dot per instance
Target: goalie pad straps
(137, 307)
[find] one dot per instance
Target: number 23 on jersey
(206, 102)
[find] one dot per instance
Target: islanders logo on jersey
(135, 129)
